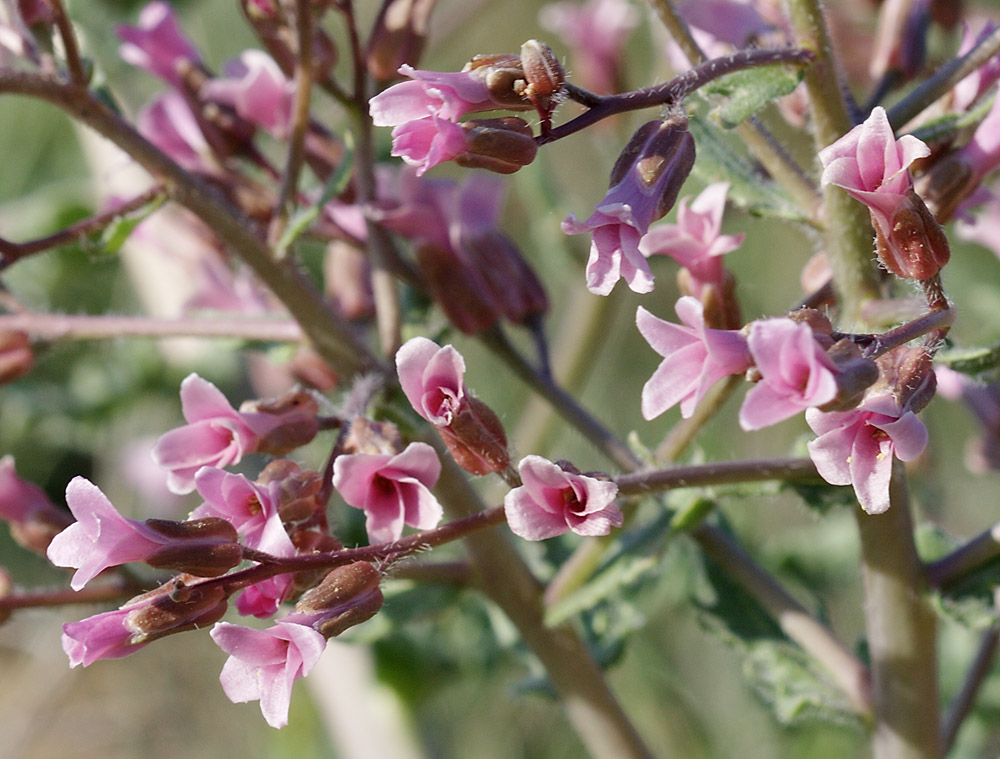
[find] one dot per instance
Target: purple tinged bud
(508, 275)
(660, 153)
(459, 290)
(501, 145)
(346, 597)
(172, 608)
(398, 36)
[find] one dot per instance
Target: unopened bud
(200, 547)
(298, 409)
(346, 597)
(476, 438)
(660, 155)
(16, 356)
(917, 247)
(818, 322)
(908, 373)
(297, 489)
(501, 145)
(504, 78)
(310, 541)
(398, 36)
(517, 290)
(946, 185)
(175, 607)
(462, 294)
(544, 76)
(720, 306)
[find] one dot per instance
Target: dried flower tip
(346, 597)
(501, 145)
(542, 71)
(175, 609)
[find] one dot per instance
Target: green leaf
(749, 189)
(119, 230)
(746, 92)
(948, 125)
(622, 574)
(973, 361)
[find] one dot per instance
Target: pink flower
(257, 89)
(426, 142)
(103, 636)
(34, 520)
(264, 664)
(981, 154)
(101, 537)
(636, 198)
(168, 123)
(553, 501)
(967, 91)
(391, 490)
(157, 44)
(245, 505)
(694, 358)
(448, 95)
(595, 32)
(432, 379)
(216, 434)
(796, 373)
(694, 241)
(856, 447)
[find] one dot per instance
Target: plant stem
(718, 473)
(966, 697)
(966, 560)
(902, 632)
(73, 62)
(795, 621)
(68, 327)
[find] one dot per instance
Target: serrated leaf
(622, 574)
(971, 361)
(119, 230)
(749, 189)
(748, 91)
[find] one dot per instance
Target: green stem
(902, 632)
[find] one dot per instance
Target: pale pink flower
(695, 241)
(967, 91)
(432, 379)
(595, 32)
(264, 664)
(247, 506)
(102, 636)
(168, 123)
(552, 501)
(257, 89)
(448, 95)
(391, 490)
(694, 358)
(157, 44)
(796, 373)
(426, 142)
(856, 447)
(101, 537)
(216, 435)
(634, 201)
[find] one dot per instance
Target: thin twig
(966, 560)
(974, 680)
(77, 72)
(81, 327)
(717, 473)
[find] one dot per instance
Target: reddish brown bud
(908, 373)
(946, 185)
(917, 247)
(517, 290)
(201, 547)
(177, 607)
(501, 145)
(398, 36)
(298, 409)
(476, 438)
(542, 70)
(16, 356)
(720, 305)
(298, 489)
(462, 294)
(347, 596)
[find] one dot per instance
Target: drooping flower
(426, 142)
(644, 185)
(34, 520)
(872, 166)
(264, 664)
(694, 358)
(695, 241)
(257, 89)
(391, 490)
(157, 44)
(552, 501)
(856, 447)
(796, 373)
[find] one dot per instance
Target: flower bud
(369, 436)
(515, 287)
(398, 36)
(16, 356)
(659, 155)
(501, 145)
(947, 184)
(476, 438)
(299, 426)
(201, 547)
(34, 520)
(917, 247)
(172, 608)
(720, 306)
(462, 294)
(297, 492)
(503, 76)
(544, 76)
(908, 374)
(347, 596)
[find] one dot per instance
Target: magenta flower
(796, 373)
(695, 241)
(101, 537)
(856, 447)
(448, 95)
(168, 123)
(264, 664)
(553, 501)
(257, 89)
(595, 32)
(262, 599)
(636, 199)
(216, 435)
(391, 490)
(424, 143)
(432, 379)
(245, 505)
(694, 358)
(103, 636)
(157, 44)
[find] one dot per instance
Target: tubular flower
(157, 44)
